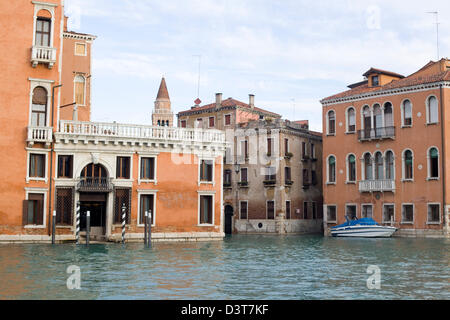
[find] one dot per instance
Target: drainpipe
(51, 161)
(444, 211)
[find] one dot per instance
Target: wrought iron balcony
(46, 55)
(376, 133)
(94, 184)
(377, 186)
(39, 135)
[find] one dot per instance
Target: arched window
(167, 123)
(389, 166)
(79, 83)
(367, 121)
(432, 110)
(43, 32)
(407, 113)
(331, 169)
(388, 117)
(94, 171)
(351, 120)
(379, 166)
(39, 107)
(351, 175)
(331, 122)
(408, 164)
(368, 171)
(433, 163)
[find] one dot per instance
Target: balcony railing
(39, 134)
(94, 184)
(43, 55)
(377, 185)
(376, 133)
(130, 131)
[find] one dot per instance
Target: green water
(240, 267)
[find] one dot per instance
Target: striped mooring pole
(88, 227)
(124, 208)
(149, 228)
(145, 228)
(53, 226)
(77, 230)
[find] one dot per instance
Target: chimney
(251, 100)
(218, 100)
(65, 23)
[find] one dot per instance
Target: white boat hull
(365, 231)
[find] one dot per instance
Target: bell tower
(162, 114)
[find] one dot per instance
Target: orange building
(56, 160)
(385, 143)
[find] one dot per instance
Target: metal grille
(64, 206)
(122, 196)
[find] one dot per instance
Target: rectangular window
(331, 213)
(288, 209)
(79, 90)
(34, 210)
(64, 206)
(123, 168)
(408, 213)
(243, 209)
(244, 177)
(122, 196)
(375, 81)
(148, 168)
(366, 211)
(287, 175)
(38, 115)
(271, 174)
(304, 153)
(305, 210)
(227, 177)
(286, 146)
(37, 166)
(313, 151)
(206, 170)
(313, 177)
(80, 49)
(42, 32)
(206, 209)
(211, 122)
(244, 149)
(305, 177)
(227, 119)
(65, 166)
(183, 123)
(314, 210)
(388, 213)
(146, 205)
(434, 214)
(271, 210)
(350, 211)
(269, 146)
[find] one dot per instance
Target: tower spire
(162, 114)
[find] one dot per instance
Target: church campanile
(162, 114)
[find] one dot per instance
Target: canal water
(240, 267)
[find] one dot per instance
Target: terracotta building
(56, 159)
(272, 171)
(385, 144)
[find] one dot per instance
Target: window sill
(433, 223)
(406, 126)
(331, 183)
(432, 123)
(432, 178)
(350, 182)
(330, 222)
(63, 227)
(147, 181)
(407, 180)
(407, 222)
(36, 179)
(350, 132)
(205, 225)
(33, 226)
(331, 134)
(143, 225)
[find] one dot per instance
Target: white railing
(39, 134)
(376, 185)
(130, 131)
(43, 55)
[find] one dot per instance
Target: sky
(290, 53)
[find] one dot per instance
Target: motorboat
(364, 227)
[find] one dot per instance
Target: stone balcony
(45, 55)
(116, 133)
(39, 135)
(376, 134)
(377, 186)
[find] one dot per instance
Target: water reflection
(240, 267)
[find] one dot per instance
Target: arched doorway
(228, 219)
(93, 187)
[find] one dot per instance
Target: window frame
(382, 213)
(75, 49)
(429, 164)
(329, 133)
(329, 182)
(326, 207)
(146, 192)
(130, 169)
(200, 195)
(363, 205)
(213, 118)
(79, 76)
(348, 169)
(351, 205)
(212, 181)
(413, 213)
(347, 120)
(240, 209)
(43, 191)
(225, 119)
(155, 166)
(402, 110)
(267, 209)
(58, 176)
(404, 178)
(428, 213)
(31, 151)
(428, 110)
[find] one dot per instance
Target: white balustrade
(39, 134)
(376, 185)
(116, 130)
(43, 55)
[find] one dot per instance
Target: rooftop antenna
(436, 13)
(198, 101)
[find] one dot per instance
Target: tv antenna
(198, 80)
(436, 14)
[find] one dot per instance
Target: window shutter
(39, 96)
(24, 212)
(40, 212)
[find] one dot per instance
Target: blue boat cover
(362, 221)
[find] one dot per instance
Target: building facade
(385, 143)
(57, 160)
(272, 171)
